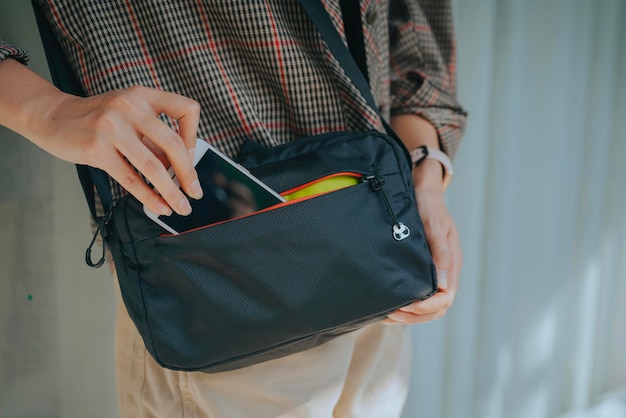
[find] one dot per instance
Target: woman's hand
(443, 241)
(101, 130)
(440, 230)
(116, 131)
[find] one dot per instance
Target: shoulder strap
(352, 23)
(63, 77)
(320, 18)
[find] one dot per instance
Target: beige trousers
(361, 374)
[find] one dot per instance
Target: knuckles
(122, 102)
(95, 151)
(129, 181)
(151, 167)
(193, 107)
(173, 141)
(105, 122)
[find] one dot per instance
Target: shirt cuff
(440, 109)
(10, 51)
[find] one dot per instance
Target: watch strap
(421, 153)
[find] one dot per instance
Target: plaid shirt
(260, 69)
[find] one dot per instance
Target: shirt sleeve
(10, 51)
(423, 66)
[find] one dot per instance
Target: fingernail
(195, 190)
(396, 317)
(442, 279)
(192, 153)
(163, 209)
(184, 207)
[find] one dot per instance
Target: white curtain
(539, 325)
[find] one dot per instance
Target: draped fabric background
(538, 329)
(539, 325)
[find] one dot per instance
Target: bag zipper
(283, 204)
(399, 231)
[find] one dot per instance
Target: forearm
(415, 131)
(26, 100)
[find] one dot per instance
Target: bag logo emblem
(400, 231)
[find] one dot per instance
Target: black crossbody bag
(283, 280)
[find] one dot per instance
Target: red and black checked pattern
(259, 68)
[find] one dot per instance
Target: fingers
(156, 151)
(400, 317)
(177, 154)
(150, 166)
(179, 149)
(186, 111)
(159, 145)
(111, 129)
(128, 178)
(438, 301)
(427, 310)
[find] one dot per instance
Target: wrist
(428, 176)
(41, 116)
(26, 99)
(432, 168)
(423, 154)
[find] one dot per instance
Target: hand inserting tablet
(230, 191)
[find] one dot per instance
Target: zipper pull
(104, 221)
(377, 182)
(400, 231)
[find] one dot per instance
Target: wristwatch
(419, 154)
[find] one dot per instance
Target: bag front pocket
(261, 281)
(309, 190)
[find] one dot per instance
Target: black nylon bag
(283, 280)
(278, 282)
